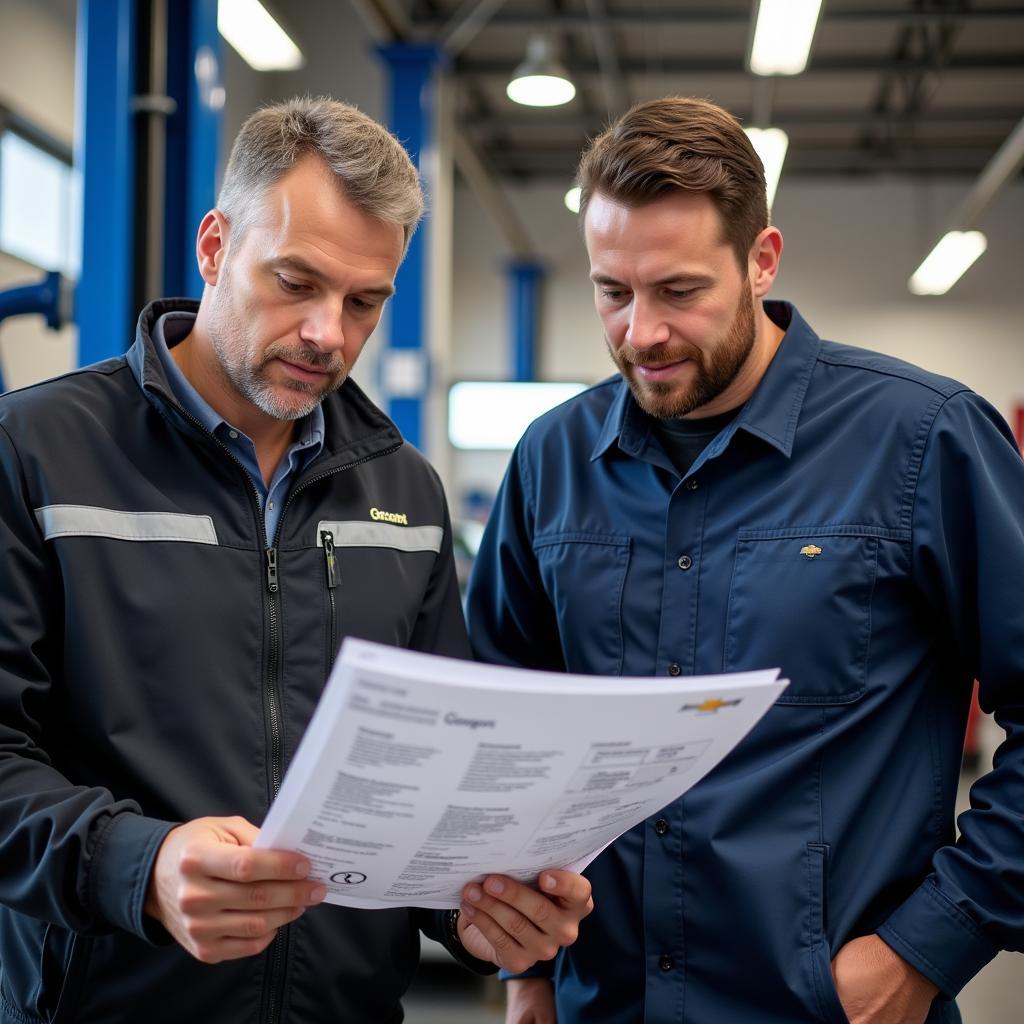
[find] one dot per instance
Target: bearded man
(742, 495)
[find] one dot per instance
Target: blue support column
(405, 359)
(524, 279)
(194, 82)
(104, 153)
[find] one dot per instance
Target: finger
(242, 863)
(209, 895)
(230, 949)
(569, 887)
(484, 909)
(515, 951)
(234, 924)
(507, 901)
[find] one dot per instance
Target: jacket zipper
(327, 539)
(278, 949)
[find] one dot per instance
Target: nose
(323, 327)
(646, 327)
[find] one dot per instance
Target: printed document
(418, 773)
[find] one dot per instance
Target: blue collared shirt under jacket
(860, 523)
(309, 442)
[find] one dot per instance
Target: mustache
(657, 355)
(324, 361)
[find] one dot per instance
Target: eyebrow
(300, 266)
(689, 279)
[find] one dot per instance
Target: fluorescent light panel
(493, 414)
(257, 38)
(946, 263)
(771, 145)
(782, 37)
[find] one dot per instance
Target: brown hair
(686, 144)
(368, 162)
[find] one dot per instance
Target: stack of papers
(419, 774)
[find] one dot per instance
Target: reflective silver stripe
(382, 535)
(86, 521)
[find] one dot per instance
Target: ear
(765, 257)
(212, 246)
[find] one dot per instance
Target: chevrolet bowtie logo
(810, 550)
(711, 705)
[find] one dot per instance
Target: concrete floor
(444, 993)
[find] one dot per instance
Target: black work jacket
(158, 663)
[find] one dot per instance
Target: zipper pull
(327, 539)
(272, 570)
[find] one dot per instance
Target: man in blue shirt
(741, 495)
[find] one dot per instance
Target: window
(494, 414)
(39, 203)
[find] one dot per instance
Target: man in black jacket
(168, 614)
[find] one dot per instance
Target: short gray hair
(370, 165)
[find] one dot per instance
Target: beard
(245, 368)
(715, 368)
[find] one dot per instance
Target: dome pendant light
(541, 80)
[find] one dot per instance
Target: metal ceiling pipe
(998, 171)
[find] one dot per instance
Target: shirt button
(233, 434)
(691, 484)
(685, 561)
(674, 669)
(661, 826)
(665, 962)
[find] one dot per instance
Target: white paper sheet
(418, 774)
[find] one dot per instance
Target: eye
(613, 294)
(292, 287)
(362, 305)
(686, 293)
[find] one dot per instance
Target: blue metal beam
(410, 118)
(194, 82)
(104, 155)
(43, 297)
(525, 279)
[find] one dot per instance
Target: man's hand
(514, 926)
(218, 897)
(529, 1001)
(876, 986)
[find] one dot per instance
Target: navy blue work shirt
(860, 523)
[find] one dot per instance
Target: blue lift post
(194, 82)
(410, 118)
(104, 156)
(525, 279)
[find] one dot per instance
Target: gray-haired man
(179, 565)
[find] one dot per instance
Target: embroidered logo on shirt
(398, 518)
(710, 706)
(810, 550)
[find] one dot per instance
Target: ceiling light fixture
(541, 80)
(572, 199)
(256, 36)
(771, 145)
(783, 35)
(946, 263)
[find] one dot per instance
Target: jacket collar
(771, 413)
(354, 427)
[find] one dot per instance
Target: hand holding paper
(513, 925)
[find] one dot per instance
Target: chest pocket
(801, 599)
(583, 575)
